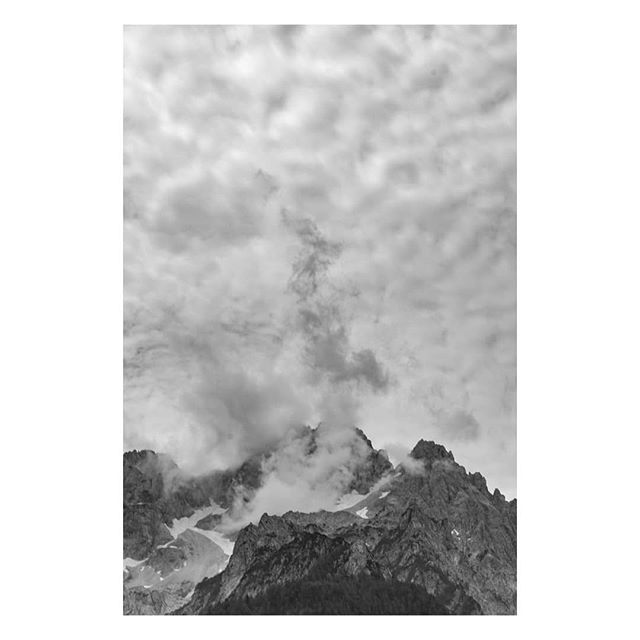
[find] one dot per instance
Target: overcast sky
(320, 226)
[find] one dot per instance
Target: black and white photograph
(320, 320)
(323, 315)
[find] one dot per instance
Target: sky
(320, 226)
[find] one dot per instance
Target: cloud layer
(320, 225)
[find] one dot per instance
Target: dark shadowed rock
(374, 466)
(430, 451)
(209, 522)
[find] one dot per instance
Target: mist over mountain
(233, 542)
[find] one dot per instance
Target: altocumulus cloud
(320, 225)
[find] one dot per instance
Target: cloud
(365, 366)
(198, 209)
(388, 289)
(399, 454)
(308, 471)
(462, 426)
(314, 260)
(320, 315)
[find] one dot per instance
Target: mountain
(156, 493)
(177, 528)
(426, 537)
(432, 525)
(168, 547)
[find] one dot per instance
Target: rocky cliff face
(162, 582)
(432, 525)
(156, 493)
(374, 466)
(163, 560)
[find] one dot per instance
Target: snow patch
(384, 494)
(219, 538)
(349, 500)
(363, 513)
(130, 562)
(180, 525)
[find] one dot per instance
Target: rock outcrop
(435, 526)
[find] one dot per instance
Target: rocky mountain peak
(429, 450)
(361, 434)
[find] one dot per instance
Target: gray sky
(320, 225)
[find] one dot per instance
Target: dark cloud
(320, 317)
(328, 350)
(315, 258)
(462, 426)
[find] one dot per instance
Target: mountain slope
(360, 595)
(162, 582)
(433, 525)
(175, 525)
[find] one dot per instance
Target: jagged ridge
(156, 493)
(436, 526)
